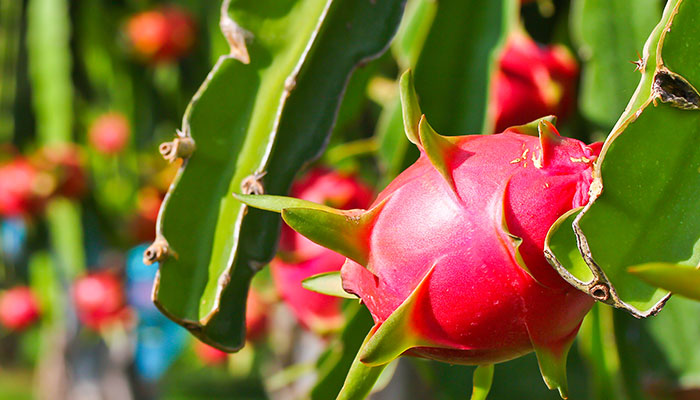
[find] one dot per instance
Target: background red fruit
(255, 316)
(532, 82)
(161, 35)
(19, 191)
(301, 258)
(142, 226)
(99, 299)
(19, 308)
(479, 302)
(109, 133)
(64, 163)
(209, 355)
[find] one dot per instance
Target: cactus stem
(180, 147)
(158, 251)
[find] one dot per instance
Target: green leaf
(483, 378)
(679, 279)
(675, 332)
(597, 344)
(253, 131)
(607, 44)
(410, 109)
(328, 283)
(646, 211)
(361, 377)
(333, 367)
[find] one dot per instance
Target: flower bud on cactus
(109, 133)
(532, 82)
(449, 258)
(300, 258)
(99, 300)
(19, 308)
(161, 35)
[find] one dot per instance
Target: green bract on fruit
(449, 258)
(300, 258)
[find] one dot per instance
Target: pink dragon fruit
(21, 188)
(449, 258)
(532, 82)
(19, 308)
(301, 258)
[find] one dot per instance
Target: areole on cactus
(449, 258)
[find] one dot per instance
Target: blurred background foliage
(90, 88)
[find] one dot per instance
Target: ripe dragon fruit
(100, 300)
(19, 308)
(161, 35)
(532, 82)
(300, 258)
(449, 258)
(109, 133)
(21, 188)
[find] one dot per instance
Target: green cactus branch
(642, 199)
(248, 129)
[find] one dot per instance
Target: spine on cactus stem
(449, 259)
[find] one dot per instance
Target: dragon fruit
(19, 308)
(100, 300)
(21, 188)
(161, 35)
(532, 82)
(449, 258)
(300, 258)
(109, 133)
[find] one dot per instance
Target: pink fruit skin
(18, 179)
(480, 306)
(109, 133)
(99, 300)
(532, 82)
(301, 258)
(19, 308)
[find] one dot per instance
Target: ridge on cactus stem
(19, 308)
(449, 257)
(532, 82)
(300, 258)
